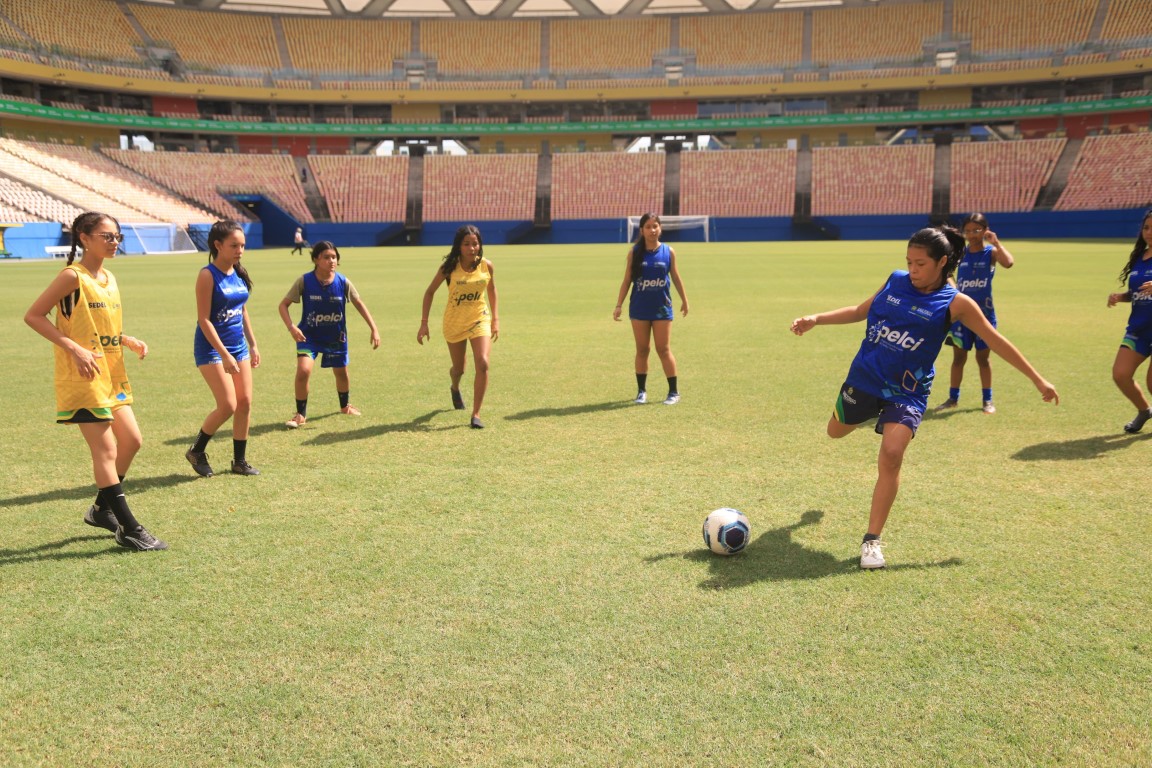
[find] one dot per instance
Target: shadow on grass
(254, 430)
(572, 410)
(418, 424)
(774, 556)
(1076, 450)
(132, 486)
(50, 551)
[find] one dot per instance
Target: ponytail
(1138, 251)
(85, 224)
(220, 231)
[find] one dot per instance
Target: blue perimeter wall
(29, 240)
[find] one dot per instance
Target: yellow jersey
(467, 315)
(91, 317)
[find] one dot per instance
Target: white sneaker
(672, 399)
(641, 397)
(295, 421)
(870, 555)
(988, 407)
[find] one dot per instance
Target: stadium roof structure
(499, 9)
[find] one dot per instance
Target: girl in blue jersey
(225, 346)
(324, 294)
(1136, 345)
(974, 279)
(891, 376)
(650, 271)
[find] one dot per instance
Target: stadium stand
(720, 44)
(1002, 176)
(479, 188)
(495, 46)
(350, 46)
(207, 40)
(997, 26)
(1127, 19)
(890, 33)
(606, 45)
(853, 181)
(92, 29)
(1110, 172)
(362, 188)
(25, 203)
(738, 183)
(606, 184)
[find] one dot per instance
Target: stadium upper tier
(49, 182)
(295, 51)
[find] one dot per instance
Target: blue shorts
(335, 355)
(1140, 343)
(855, 406)
(961, 337)
(641, 310)
(206, 354)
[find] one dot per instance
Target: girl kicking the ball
(891, 376)
(470, 316)
(323, 329)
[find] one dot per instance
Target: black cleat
(1137, 423)
(476, 423)
(139, 540)
(101, 518)
(199, 462)
(457, 400)
(244, 468)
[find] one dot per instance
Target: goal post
(671, 223)
(156, 238)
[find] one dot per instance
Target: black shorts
(855, 406)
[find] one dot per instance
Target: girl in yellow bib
(470, 317)
(92, 389)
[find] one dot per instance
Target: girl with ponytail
(891, 376)
(1136, 345)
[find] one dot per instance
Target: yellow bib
(467, 315)
(91, 316)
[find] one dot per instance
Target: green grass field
(400, 590)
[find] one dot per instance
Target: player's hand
(86, 363)
(991, 239)
(254, 356)
(616, 314)
(1145, 288)
(495, 330)
(684, 309)
(230, 365)
(374, 340)
(422, 333)
(802, 325)
(1114, 299)
(136, 345)
(297, 334)
(1048, 392)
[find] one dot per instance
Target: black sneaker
(457, 400)
(244, 468)
(139, 539)
(476, 423)
(1137, 423)
(101, 518)
(199, 462)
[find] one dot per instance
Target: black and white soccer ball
(726, 531)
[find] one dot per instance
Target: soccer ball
(726, 531)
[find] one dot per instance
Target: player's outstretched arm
(362, 308)
(968, 312)
(842, 316)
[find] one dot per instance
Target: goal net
(157, 238)
(670, 223)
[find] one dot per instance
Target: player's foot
(1137, 423)
(641, 397)
(870, 555)
(101, 518)
(350, 410)
(457, 400)
(244, 468)
(199, 462)
(672, 399)
(139, 539)
(988, 407)
(295, 422)
(947, 405)
(476, 423)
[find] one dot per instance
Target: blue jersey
(1140, 317)
(974, 279)
(229, 295)
(652, 290)
(906, 329)
(323, 319)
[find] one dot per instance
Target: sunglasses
(111, 237)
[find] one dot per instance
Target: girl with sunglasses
(92, 389)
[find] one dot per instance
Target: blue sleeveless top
(1140, 316)
(229, 295)
(652, 290)
(906, 329)
(323, 318)
(974, 279)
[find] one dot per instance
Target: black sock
(343, 398)
(201, 442)
(672, 386)
(641, 382)
(239, 447)
(114, 495)
(302, 407)
(100, 503)
(871, 537)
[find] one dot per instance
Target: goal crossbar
(670, 223)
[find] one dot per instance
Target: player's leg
(301, 385)
(343, 390)
(662, 339)
(893, 445)
(955, 375)
(224, 393)
(641, 332)
(481, 346)
(102, 445)
(983, 362)
(1124, 375)
(242, 419)
(126, 431)
(458, 353)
